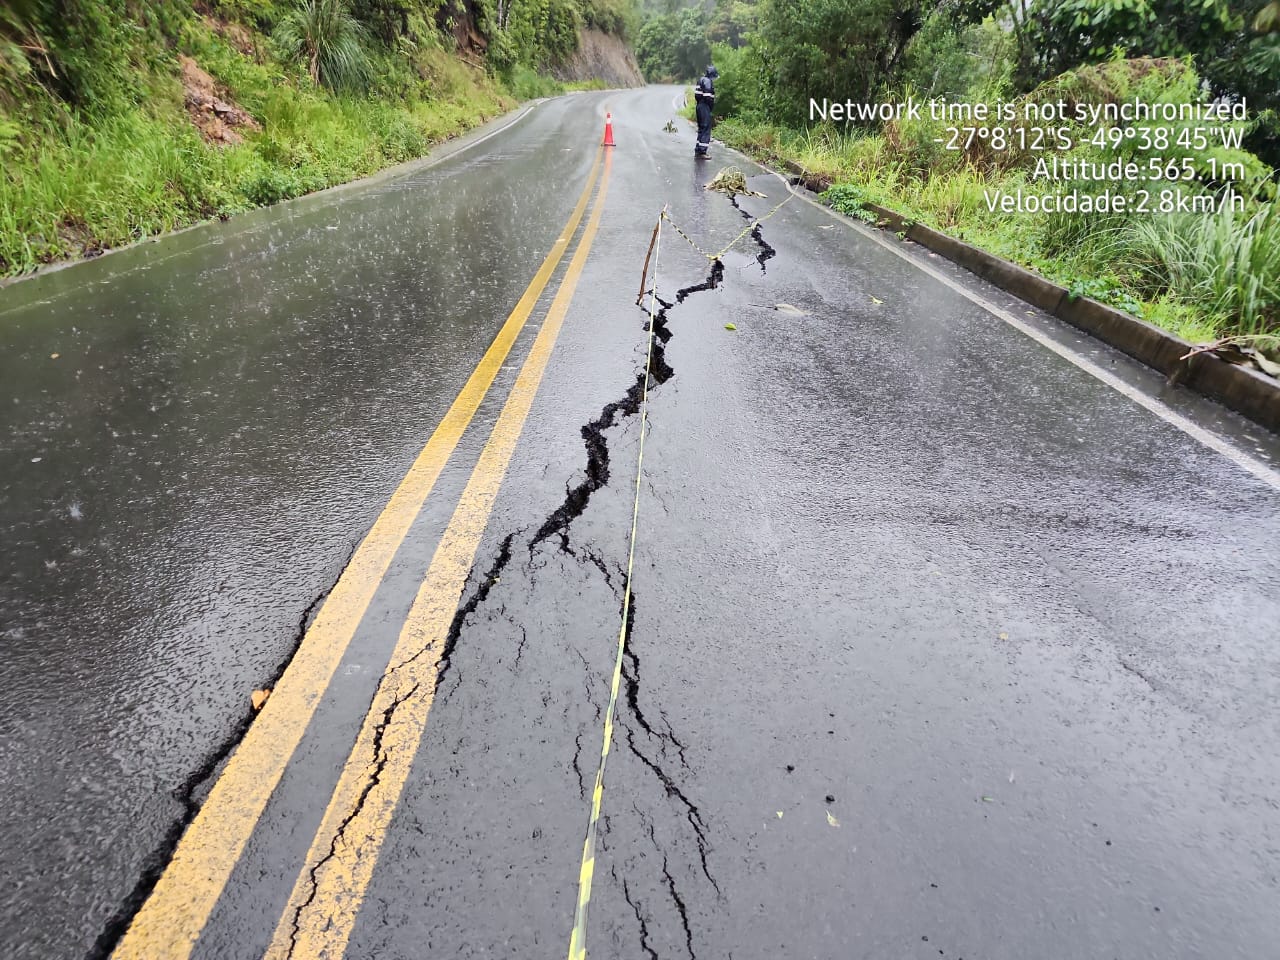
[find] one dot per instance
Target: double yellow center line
(331, 884)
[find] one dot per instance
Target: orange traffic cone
(608, 130)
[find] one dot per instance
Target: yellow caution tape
(578, 938)
(732, 243)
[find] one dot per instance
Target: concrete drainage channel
(1241, 389)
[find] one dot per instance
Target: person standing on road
(704, 95)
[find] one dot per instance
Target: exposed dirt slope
(215, 117)
(602, 57)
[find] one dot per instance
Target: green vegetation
(673, 46)
(1205, 272)
(121, 119)
(329, 40)
(1227, 265)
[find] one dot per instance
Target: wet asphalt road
(942, 647)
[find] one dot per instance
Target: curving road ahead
(951, 634)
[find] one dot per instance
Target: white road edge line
(1257, 468)
(429, 162)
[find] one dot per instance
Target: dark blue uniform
(704, 94)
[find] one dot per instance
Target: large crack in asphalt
(479, 596)
(557, 526)
(378, 758)
(597, 474)
(375, 777)
(657, 372)
(691, 811)
(681, 907)
(645, 945)
(188, 792)
(766, 251)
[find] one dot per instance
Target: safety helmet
(712, 72)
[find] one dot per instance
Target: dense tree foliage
(872, 49)
(733, 22)
(1228, 40)
(833, 48)
(673, 46)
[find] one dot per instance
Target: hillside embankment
(135, 120)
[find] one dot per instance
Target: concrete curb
(1242, 389)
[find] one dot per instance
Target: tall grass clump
(329, 40)
(1227, 264)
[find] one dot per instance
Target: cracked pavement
(937, 647)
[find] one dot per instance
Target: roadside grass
(90, 186)
(1201, 276)
(581, 86)
(1227, 264)
(525, 83)
(74, 184)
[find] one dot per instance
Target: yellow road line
(171, 920)
(331, 886)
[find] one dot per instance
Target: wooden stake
(644, 277)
